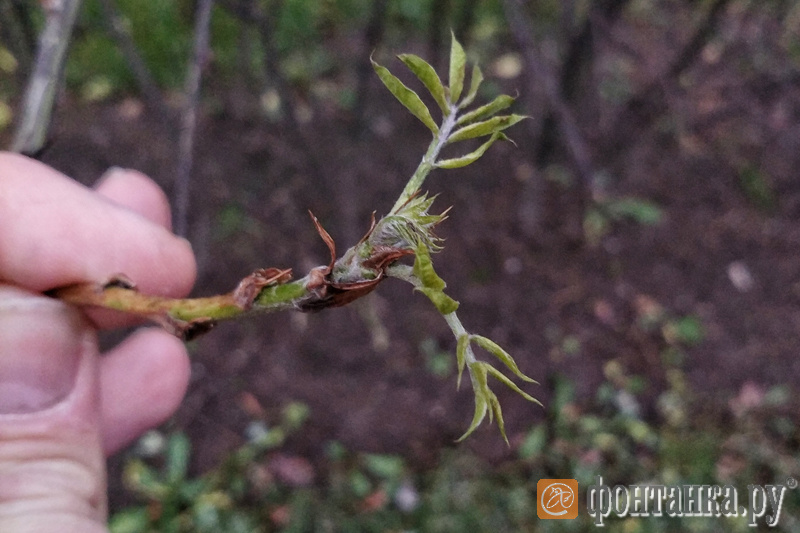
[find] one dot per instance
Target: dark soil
(512, 257)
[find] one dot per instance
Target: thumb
(52, 470)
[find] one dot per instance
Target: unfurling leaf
(487, 127)
(495, 349)
(428, 76)
(464, 160)
(498, 104)
(485, 400)
(475, 83)
(443, 302)
(423, 269)
(458, 62)
(406, 96)
(432, 285)
(483, 396)
(477, 418)
(501, 425)
(461, 356)
(510, 384)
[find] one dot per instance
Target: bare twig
(372, 37)
(705, 30)
(189, 115)
(347, 178)
(37, 104)
(579, 51)
(263, 22)
(646, 106)
(576, 144)
(150, 91)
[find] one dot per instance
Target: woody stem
(429, 159)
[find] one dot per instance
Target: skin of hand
(63, 407)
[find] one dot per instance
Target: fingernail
(110, 174)
(41, 343)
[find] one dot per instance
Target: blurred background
(636, 252)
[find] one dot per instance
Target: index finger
(55, 232)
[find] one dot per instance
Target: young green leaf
(641, 211)
(432, 285)
(461, 356)
(477, 418)
(178, 452)
(458, 62)
(406, 96)
(423, 269)
(464, 160)
(498, 104)
(487, 127)
(444, 304)
(144, 479)
(480, 387)
(501, 425)
(428, 76)
(510, 384)
(475, 83)
(495, 349)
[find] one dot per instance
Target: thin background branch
(649, 103)
(152, 95)
(576, 145)
(37, 104)
(189, 115)
(264, 22)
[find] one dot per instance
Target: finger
(55, 232)
(52, 472)
(135, 191)
(131, 190)
(142, 383)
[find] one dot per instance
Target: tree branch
(539, 69)
(37, 104)
(189, 116)
(646, 106)
(150, 91)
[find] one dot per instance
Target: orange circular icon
(557, 498)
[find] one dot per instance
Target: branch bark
(576, 144)
(37, 104)
(264, 23)
(646, 106)
(189, 115)
(150, 91)
(579, 53)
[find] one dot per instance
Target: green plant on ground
(603, 214)
(405, 231)
(212, 502)
(610, 435)
(358, 492)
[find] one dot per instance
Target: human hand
(62, 407)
